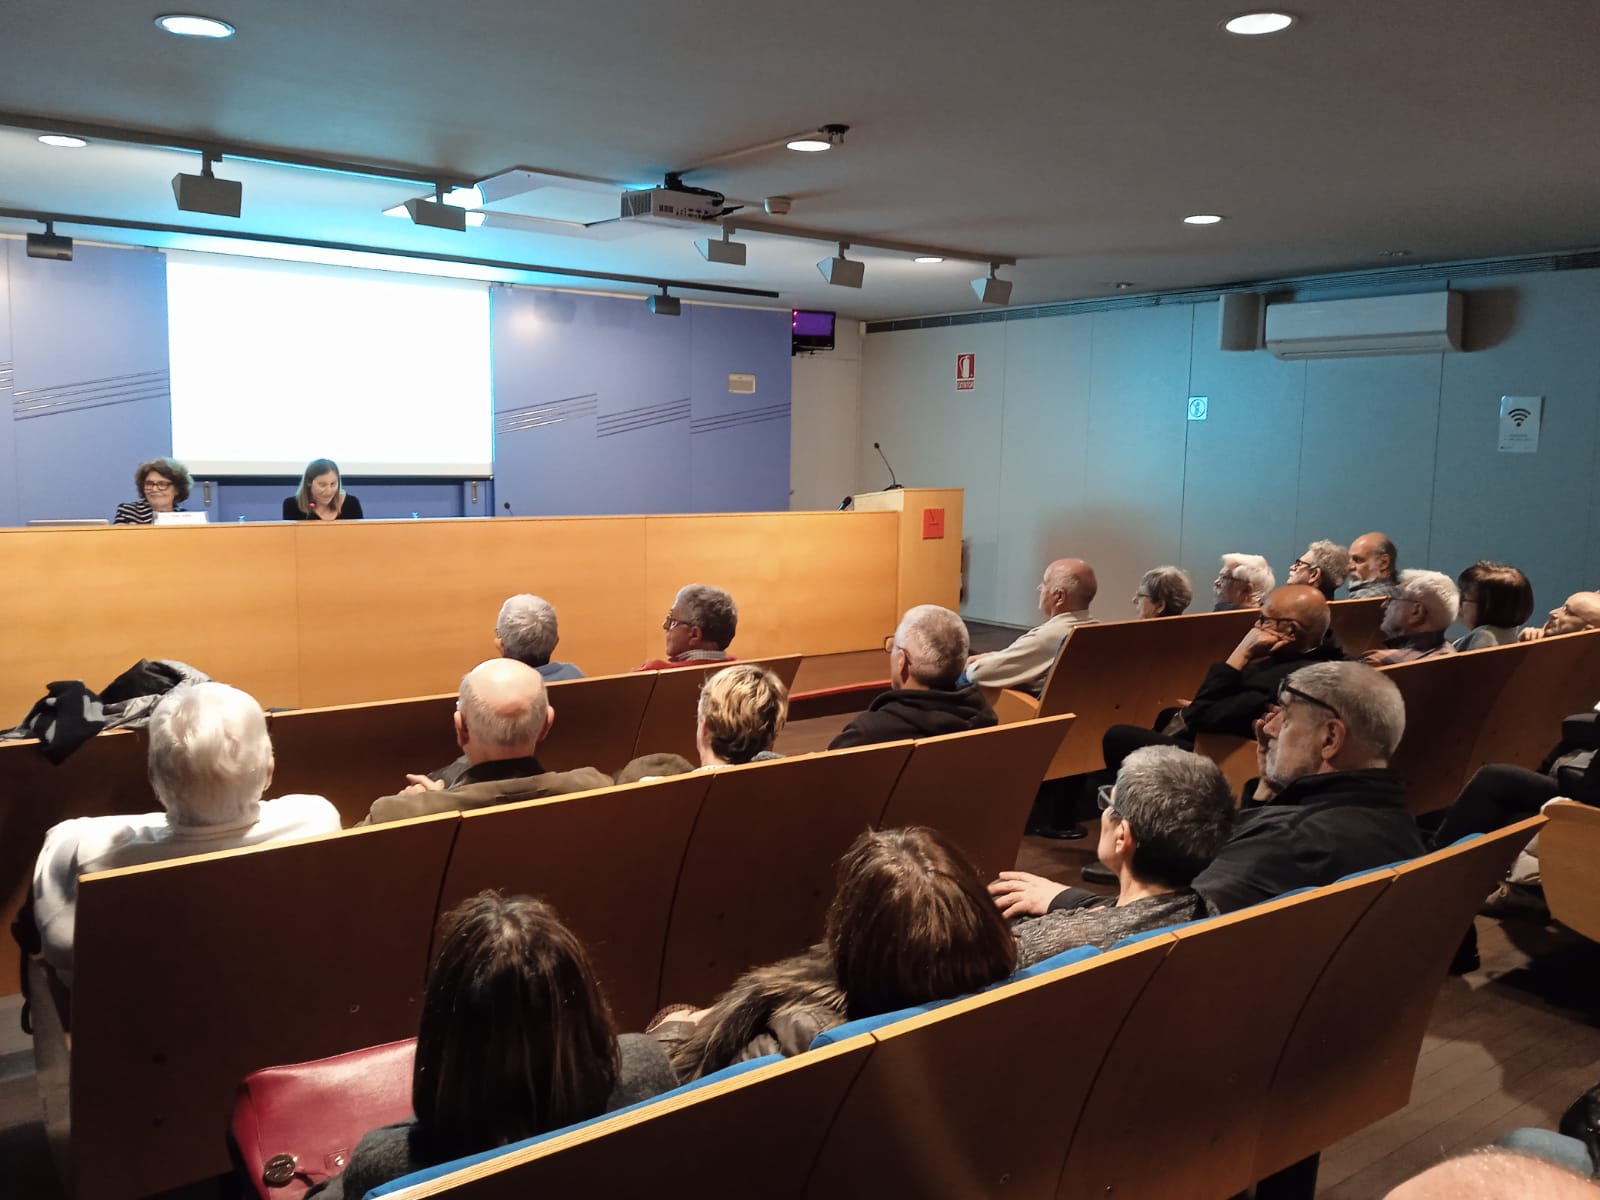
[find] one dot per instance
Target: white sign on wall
(1519, 424)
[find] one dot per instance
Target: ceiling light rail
(784, 229)
(51, 219)
(823, 137)
(432, 177)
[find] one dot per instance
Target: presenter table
(302, 614)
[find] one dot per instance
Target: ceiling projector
(673, 206)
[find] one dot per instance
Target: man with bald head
(925, 696)
(502, 714)
(1373, 570)
(1065, 593)
(1290, 633)
(1580, 611)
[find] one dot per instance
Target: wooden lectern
(930, 543)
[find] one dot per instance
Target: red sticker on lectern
(932, 523)
(966, 372)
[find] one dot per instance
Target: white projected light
(275, 364)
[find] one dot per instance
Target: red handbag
(294, 1126)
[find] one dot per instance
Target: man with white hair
(1415, 618)
(1325, 566)
(210, 762)
(526, 630)
(699, 627)
(1243, 582)
(502, 714)
(1065, 593)
(926, 656)
(1372, 567)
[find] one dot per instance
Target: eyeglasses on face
(1103, 797)
(670, 622)
(1285, 692)
(889, 643)
(1301, 564)
(157, 485)
(1281, 624)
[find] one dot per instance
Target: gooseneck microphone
(507, 507)
(893, 482)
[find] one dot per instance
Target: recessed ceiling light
(1394, 254)
(927, 258)
(810, 145)
(1122, 286)
(1202, 219)
(1254, 24)
(191, 25)
(63, 140)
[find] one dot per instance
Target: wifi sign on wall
(1519, 424)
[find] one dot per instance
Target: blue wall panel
(90, 396)
(603, 407)
(739, 442)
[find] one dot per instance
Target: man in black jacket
(926, 656)
(1291, 633)
(1327, 802)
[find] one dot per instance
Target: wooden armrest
(1011, 706)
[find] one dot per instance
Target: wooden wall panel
(89, 603)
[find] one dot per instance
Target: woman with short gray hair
(1161, 825)
(1163, 592)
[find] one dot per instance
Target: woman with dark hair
(1495, 600)
(163, 485)
(910, 923)
(515, 1041)
(321, 496)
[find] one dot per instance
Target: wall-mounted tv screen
(813, 330)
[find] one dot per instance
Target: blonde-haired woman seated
(742, 709)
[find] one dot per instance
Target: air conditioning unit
(1422, 323)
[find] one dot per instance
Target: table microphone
(893, 482)
(507, 507)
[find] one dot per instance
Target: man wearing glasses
(699, 626)
(1290, 633)
(1415, 618)
(1324, 566)
(925, 699)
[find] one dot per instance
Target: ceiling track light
(664, 305)
(841, 271)
(436, 214)
(991, 289)
(49, 244)
(205, 193)
(728, 253)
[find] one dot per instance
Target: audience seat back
(751, 1130)
(1448, 701)
(1553, 678)
(668, 725)
(1569, 865)
(1355, 623)
(1235, 755)
(1177, 1103)
(354, 753)
(1352, 1053)
(316, 1112)
(979, 1097)
(597, 721)
(607, 860)
(243, 959)
(977, 787)
(1125, 672)
(759, 871)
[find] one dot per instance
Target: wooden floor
(1510, 1044)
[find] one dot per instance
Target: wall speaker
(1240, 321)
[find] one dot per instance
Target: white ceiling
(1073, 135)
